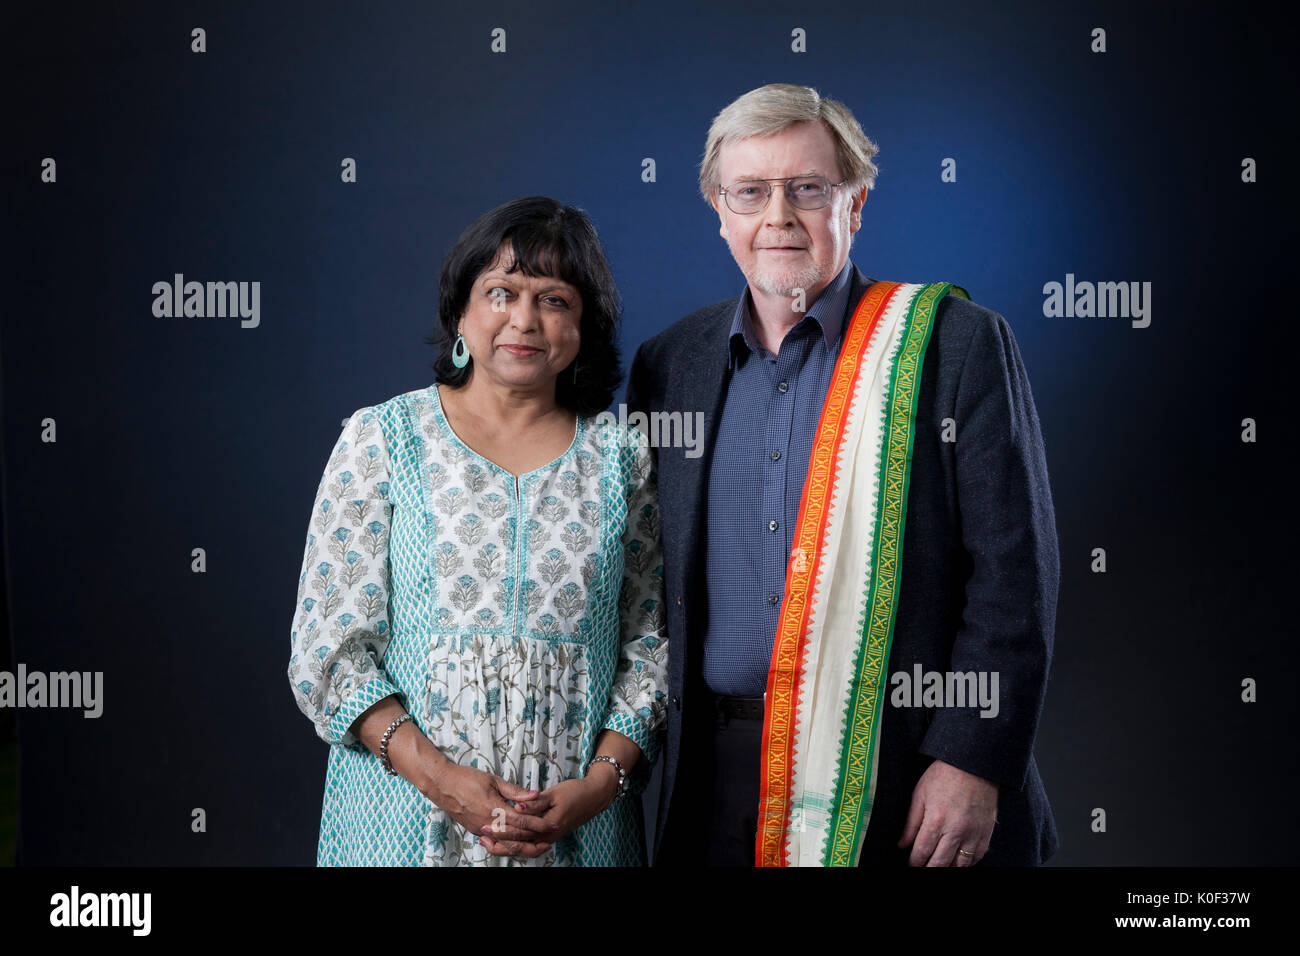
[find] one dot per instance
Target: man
(789, 606)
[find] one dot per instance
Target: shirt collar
(829, 311)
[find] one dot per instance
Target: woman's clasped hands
(482, 803)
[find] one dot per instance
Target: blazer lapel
(702, 376)
(857, 287)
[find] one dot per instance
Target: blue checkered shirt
(760, 458)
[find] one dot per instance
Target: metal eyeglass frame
(786, 181)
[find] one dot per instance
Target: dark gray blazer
(978, 591)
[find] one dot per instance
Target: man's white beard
(786, 282)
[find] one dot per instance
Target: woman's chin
(524, 378)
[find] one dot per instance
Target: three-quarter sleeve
(341, 625)
(637, 698)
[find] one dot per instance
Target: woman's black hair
(547, 238)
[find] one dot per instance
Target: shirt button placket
(780, 416)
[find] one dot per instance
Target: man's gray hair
(769, 110)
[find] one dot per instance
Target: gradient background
(183, 433)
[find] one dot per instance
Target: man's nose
(779, 212)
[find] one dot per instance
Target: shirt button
(679, 600)
(772, 525)
(773, 598)
(775, 456)
(782, 387)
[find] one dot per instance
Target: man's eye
(747, 191)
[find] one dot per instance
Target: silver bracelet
(622, 775)
(383, 743)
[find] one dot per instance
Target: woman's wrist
(431, 766)
(609, 776)
(386, 740)
(603, 782)
(415, 758)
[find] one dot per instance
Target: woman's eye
(556, 301)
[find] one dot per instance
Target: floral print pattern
(516, 617)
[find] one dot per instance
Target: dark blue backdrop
(176, 433)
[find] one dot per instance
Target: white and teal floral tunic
(516, 618)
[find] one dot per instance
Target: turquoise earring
(460, 352)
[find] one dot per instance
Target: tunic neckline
(445, 424)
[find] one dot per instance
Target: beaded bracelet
(383, 743)
(622, 774)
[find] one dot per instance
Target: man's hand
(951, 810)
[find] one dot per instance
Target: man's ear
(722, 218)
(855, 211)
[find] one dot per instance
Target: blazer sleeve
(637, 387)
(1008, 528)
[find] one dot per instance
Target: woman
(484, 557)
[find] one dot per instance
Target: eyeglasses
(804, 192)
